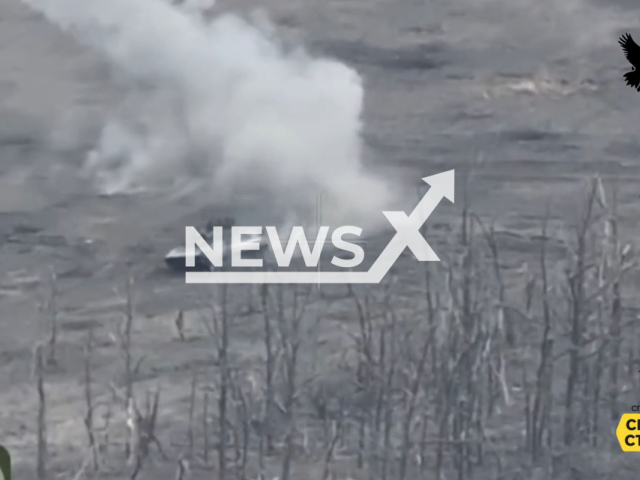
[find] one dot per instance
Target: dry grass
(465, 369)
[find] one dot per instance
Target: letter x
(408, 234)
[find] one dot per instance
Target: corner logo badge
(5, 464)
(628, 432)
(632, 52)
(407, 235)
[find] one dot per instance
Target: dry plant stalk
(179, 323)
(89, 402)
(39, 366)
(143, 431)
(266, 432)
(337, 432)
(182, 469)
(205, 425)
(223, 351)
(52, 313)
(192, 406)
(125, 347)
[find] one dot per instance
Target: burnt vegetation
(481, 366)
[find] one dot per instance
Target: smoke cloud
(222, 106)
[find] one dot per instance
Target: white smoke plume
(223, 105)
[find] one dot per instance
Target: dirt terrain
(524, 99)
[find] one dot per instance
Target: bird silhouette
(632, 52)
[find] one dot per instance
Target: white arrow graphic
(407, 236)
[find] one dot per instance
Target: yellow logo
(628, 432)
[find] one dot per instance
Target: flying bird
(632, 52)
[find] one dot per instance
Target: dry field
(511, 359)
